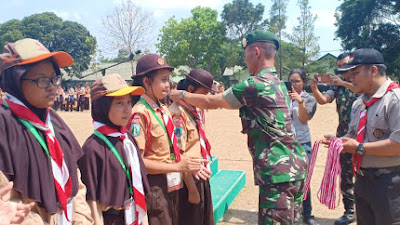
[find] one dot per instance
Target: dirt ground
(229, 145)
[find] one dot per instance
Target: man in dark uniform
(343, 92)
(279, 161)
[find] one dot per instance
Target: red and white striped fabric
(131, 154)
(327, 192)
(62, 180)
(204, 144)
(169, 126)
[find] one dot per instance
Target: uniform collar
(381, 90)
(150, 102)
(267, 70)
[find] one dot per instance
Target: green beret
(260, 36)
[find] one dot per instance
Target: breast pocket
(379, 126)
(192, 133)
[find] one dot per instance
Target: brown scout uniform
(153, 142)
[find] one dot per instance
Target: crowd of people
(148, 162)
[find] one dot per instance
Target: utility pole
(280, 42)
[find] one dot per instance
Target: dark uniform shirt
(264, 110)
(344, 101)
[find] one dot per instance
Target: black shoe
(347, 218)
(310, 221)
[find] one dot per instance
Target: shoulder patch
(135, 129)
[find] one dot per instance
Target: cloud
(175, 4)
(65, 15)
(326, 18)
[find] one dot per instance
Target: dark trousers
(347, 184)
(377, 195)
(307, 208)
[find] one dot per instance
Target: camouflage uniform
(279, 161)
(344, 101)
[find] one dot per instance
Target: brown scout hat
(202, 77)
(151, 62)
(27, 51)
(113, 85)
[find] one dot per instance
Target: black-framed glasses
(44, 82)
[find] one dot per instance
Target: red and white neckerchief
(204, 144)
(62, 180)
(169, 126)
(131, 153)
(362, 123)
(327, 192)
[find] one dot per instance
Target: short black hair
(343, 55)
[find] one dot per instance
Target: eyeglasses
(295, 81)
(44, 82)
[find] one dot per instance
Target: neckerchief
(362, 123)
(169, 129)
(204, 144)
(134, 174)
(62, 180)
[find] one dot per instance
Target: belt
(113, 211)
(378, 171)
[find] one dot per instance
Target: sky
(90, 12)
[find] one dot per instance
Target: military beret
(260, 36)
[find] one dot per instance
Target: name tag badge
(174, 181)
(62, 219)
(130, 212)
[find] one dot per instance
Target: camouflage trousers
(280, 203)
(347, 185)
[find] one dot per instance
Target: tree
(56, 35)
(128, 27)
(241, 17)
(277, 23)
(303, 35)
(371, 24)
(195, 41)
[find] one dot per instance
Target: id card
(62, 219)
(130, 212)
(174, 181)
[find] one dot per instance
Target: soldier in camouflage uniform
(279, 161)
(343, 92)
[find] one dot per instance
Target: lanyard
(35, 133)
(115, 152)
(162, 125)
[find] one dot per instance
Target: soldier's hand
(174, 95)
(336, 80)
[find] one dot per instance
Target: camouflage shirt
(344, 101)
(264, 110)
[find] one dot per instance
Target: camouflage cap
(27, 51)
(260, 36)
(113, 85)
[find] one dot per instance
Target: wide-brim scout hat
(150, 62)
(260, 36)
(113, 85)
(361, 57)
(28, 51)
(202, 77)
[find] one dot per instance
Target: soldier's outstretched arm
(201, 101)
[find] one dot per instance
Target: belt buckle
(360, 172)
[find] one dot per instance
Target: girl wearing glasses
(38, 151)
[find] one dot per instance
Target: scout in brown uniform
(38, 152)
(152, 127)
(195, 203)
(112, 162)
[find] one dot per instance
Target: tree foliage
(371, 24)
(303, 34)
(278, 18)
(56, 35)
(241, 16)
(195, 41)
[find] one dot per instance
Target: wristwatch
(181, 95)
(360, 149)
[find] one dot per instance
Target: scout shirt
(149, 135)
(186, 132)
(344, 100)
(383, 122)
(264, 110)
